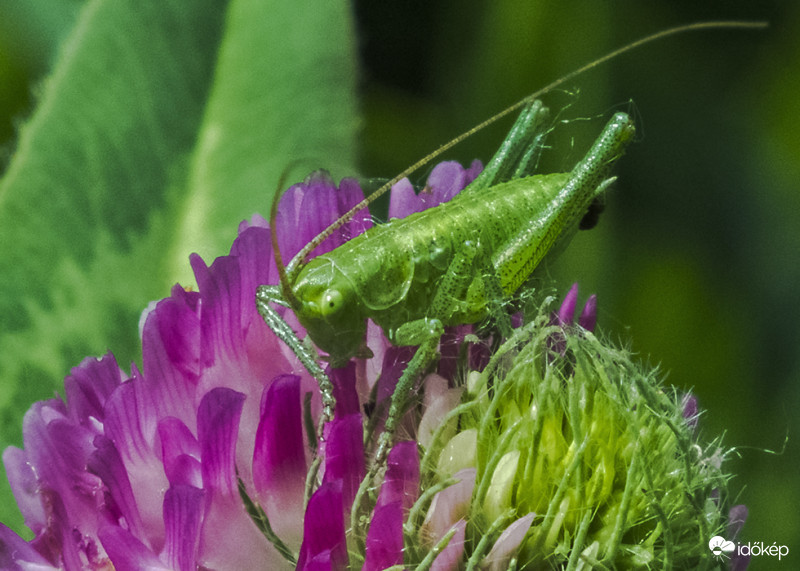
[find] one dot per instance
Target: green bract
(567, 427)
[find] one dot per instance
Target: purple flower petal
(171, 356)
(565, 316)
(130, 420)
(183, 517)
(399, 491)
(221, 323)
(16, 554)
(178, 447)
(691, 412)
(89, 386)
(237, 347)
(450, 505)
(395, 361)
(446, 180)
(344, 389)
(319, 208)
(179, 331)
(349, 195)
(239, 350)
(323, 528)
(256, 221)
(450, 349)
(322, 561)
(255, 265)
(67, 542)
(403, 200)
(131, 426)
(736, 518)
(385, 537)
(60, 451)
(344, 456)
(279, 462)
(566, 313)
(230, 539)
(369, 371)
(127, 552)
(279, 455)
(439, 401)
(588, 318)
(217, 428)
(185, 470)
(25, 486)
(401, 482)
(306, 209)
(475, 168)
(253, 251)
(452, 556)
(120, 505)
(226, 524)
(507, 544)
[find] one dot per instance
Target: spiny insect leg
(425, 333)
(471, 288)
(529, 160)
(495, 299)
(267, 294)
(455, 283)
(461, 294)
(522, 254)
(519, 152)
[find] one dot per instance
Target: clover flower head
(549, 448)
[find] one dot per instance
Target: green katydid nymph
(445, 265)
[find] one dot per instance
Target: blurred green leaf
(32, 29)
(163, 124)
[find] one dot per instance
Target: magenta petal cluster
(566, 313)
(142, 468)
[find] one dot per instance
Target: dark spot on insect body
(592, 216)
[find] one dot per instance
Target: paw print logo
(720, 546)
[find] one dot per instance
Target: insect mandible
(443, 266)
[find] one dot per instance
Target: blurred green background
(695, 260)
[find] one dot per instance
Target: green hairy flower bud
(569, 432)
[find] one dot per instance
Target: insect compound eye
(330, 302)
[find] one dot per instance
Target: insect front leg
(266, 294)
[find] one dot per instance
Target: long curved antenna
(286, 289)
(296, 263)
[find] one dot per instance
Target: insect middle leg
(457, 299)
